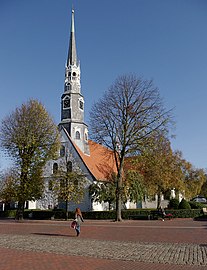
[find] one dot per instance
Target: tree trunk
(66, 209)
(118, 207)
(118, 199)
(119, 190)
(158, 200)
(20, 211)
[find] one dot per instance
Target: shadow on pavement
(54, 234)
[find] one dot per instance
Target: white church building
(77, 151)
(94, 160)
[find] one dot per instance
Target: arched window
(55, 168)
(77, 135)
(69, 166)
(68, 87)
(74, 76)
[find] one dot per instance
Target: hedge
(101, 215)
(8, 214)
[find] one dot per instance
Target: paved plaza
(103, 245)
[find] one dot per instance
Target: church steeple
(72, 56)
(72, 101)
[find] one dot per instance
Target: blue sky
(163, 40)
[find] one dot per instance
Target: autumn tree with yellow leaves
(30, 137)
(160, 166)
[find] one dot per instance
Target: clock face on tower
(66, 102)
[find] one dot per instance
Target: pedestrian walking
(78, 219)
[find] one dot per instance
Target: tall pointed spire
(72, 101)
(72, 56)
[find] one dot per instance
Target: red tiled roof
(101, 162)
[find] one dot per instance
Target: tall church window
(69, 166)
(68, 87)
(74, 76)
(86, 136)
(55, 168)
(62, 151)
(81, 104)
(77, 135)
(66, 102)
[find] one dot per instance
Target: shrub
(184, 204)
(8, 214)
(186, 213)
(101, 215)
(196, 205)
(173, 204)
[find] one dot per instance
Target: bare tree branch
(129, 112)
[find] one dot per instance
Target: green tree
(103, 192)
(160, 166)
(9, 186)
(68, 185)
(134, 187)
(204, 187)
(30, 137)
(194, 179)
(184, 205)
(123, 120)
(173, 204)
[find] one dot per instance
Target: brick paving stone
(103, 245)
(118, 250)
(11, 259)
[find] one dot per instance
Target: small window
(69, 166)
(55, 168)
(77, 135)
(74, 74)
(81, 104)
